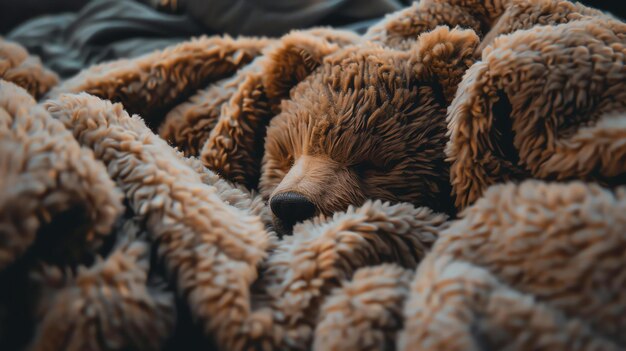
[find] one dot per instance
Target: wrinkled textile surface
(110, 29)
(103, 30)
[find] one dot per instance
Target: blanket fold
(529, 266)
(209, 259)
(53, 192)
(527, 110)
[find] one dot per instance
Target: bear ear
(443, 55)
(295, 57)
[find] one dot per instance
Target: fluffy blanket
(114, 237)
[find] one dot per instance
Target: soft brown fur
(52, 192)
(489, 19)
(530, 266)
(112, 298)
(526, 14)
(305, 267)
(369, 123)
(153, 83)
(248, 101)
(214, 263)
(181, 213)
(529, 109)
(535, 266)
(189, 124)
(225, 124)
(400, 29)
(26, 71)
(365, 313)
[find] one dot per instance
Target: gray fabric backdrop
(109, 29)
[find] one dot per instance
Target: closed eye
(369, 166)
(287, 164)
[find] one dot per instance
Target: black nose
(292, 207)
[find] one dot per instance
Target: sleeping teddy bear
(361, 122)
(347, 111)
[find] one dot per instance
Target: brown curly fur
(210, 258)
(107, 306)
(305, 267)
(489, 19)
(232, 194)
(208, 255)
(530, 266)
(233, 148)
(227, 121)
(547, 112)
(460, 306)
(368, 123)
(188, 125)
(525, 14)
(26, 71)
(51, 190)
(400, 29)
(153, 83)
(366, 312)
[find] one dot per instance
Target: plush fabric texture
(365, 313)
(53, 191)
(530, 266)
(209, 259)
(155, 81)
(18, 67)
(337, 131)
(225, 124)
(489, 19)
(95, 304)
(464, 159)
(566, 124)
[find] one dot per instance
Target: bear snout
(291, 207)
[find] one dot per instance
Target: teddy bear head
(359, 123)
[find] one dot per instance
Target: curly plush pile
(468, 186)
(528, 113)
(51, 188)
(18, 67)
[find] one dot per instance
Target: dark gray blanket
(109, 29)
